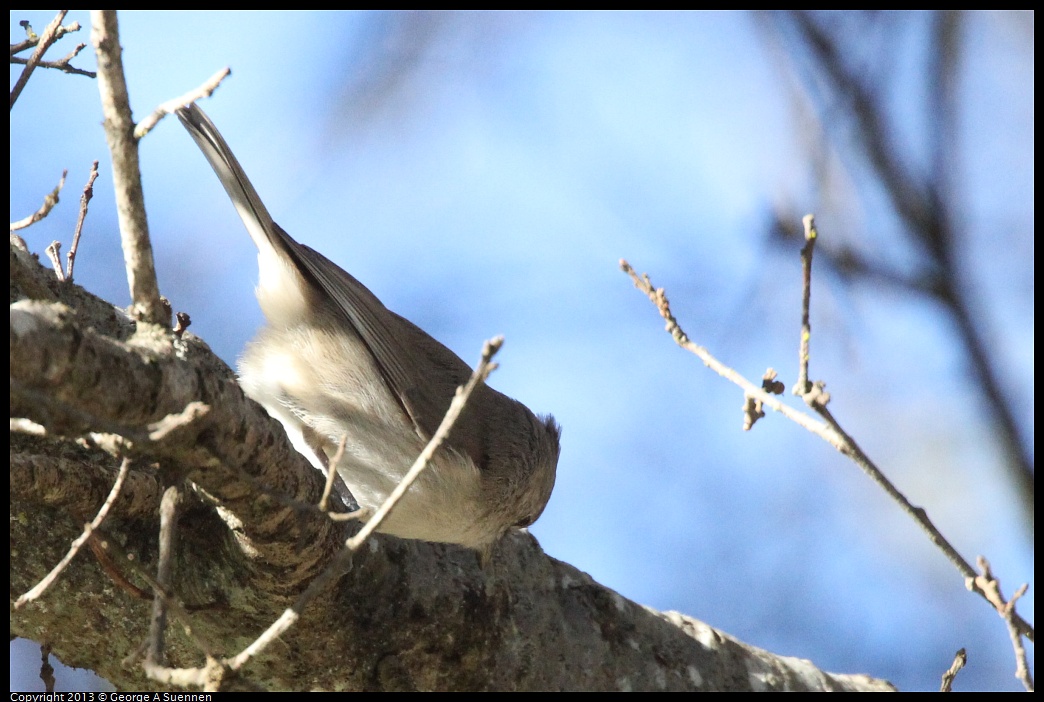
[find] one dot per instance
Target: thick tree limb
(407, 615)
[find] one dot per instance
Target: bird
(333, 362)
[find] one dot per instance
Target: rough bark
(406, 616)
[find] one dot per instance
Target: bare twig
(210, 677)
(153, 665)
(49, 36)
(167, 536)
(182, 321)
(50, 200)
(159, 430)
(32, 38)
(1022, 671)
(27, 426)
(88, 193)
(88, 529)
(960, 659)
(331, 473)
(53, 250)
(829, 430)
(123, 147)
(802, 387)
(988, 584)
(817, 399)
(166, 108)
(61, 64)
(659, 298)
(46, 669)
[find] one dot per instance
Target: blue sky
(492, 188)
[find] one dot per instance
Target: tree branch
(408, 615)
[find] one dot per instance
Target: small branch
(815, 397)
(829, 430)
(32, 38)
(1022, 671)
(960, 659)
(160, 430)
(88, 529)
(989, 586)
(61, 64)
(168, 107)
(88, 193)
(659, 298)
(46, 669)
(182, 321)
(209, 677)
(56, 262)
(50, 200)
(167, 535)
(331, 474)
(49, 36)
(153, 665)
(802, 387)
(27, 426)
(130, 200)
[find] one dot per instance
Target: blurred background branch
(859, 107)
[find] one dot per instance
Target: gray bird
(333, 361)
